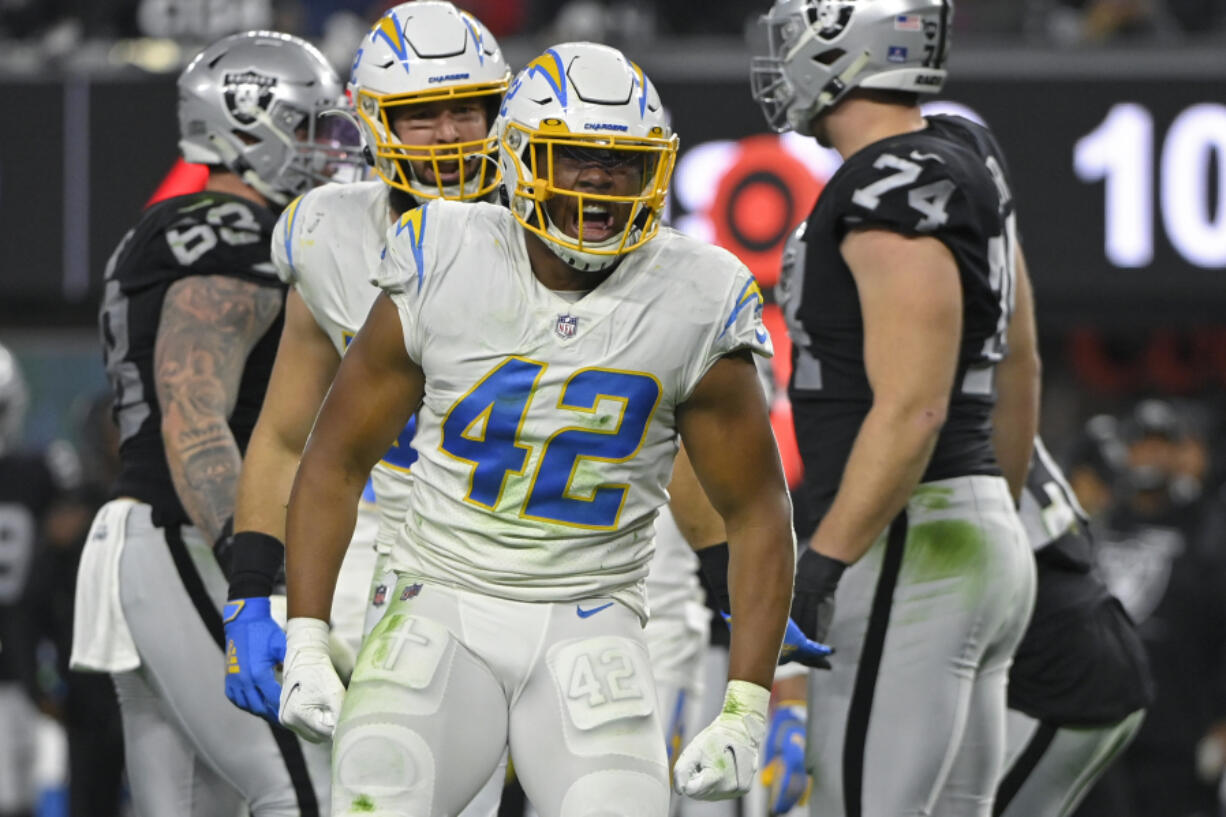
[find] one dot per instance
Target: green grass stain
(944, 549)
(932, 497)
(362, 803)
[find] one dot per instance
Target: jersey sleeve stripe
(291, 214)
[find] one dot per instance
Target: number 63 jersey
(548, 430)
(947, 181)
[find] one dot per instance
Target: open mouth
(597, 223)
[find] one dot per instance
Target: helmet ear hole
(829, 57)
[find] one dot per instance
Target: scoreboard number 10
(1120, 153)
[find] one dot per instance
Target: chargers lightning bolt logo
(415, 222)
(392, 32)
(751, 293)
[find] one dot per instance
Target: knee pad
(382, 769)
(616, 793)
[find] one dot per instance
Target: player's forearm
(887, 460)
(1015, 420)
(761, 553)
(204, 465)
(265, 483)
(319, 524)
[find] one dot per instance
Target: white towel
(101, 640)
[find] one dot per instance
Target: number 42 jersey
(548, 430)
(947, 181)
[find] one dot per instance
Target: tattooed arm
(209, 325)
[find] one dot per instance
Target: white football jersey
(325, 245)
(548, 430)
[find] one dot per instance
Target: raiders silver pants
(1049, 768)
(189, 751)
(911, 719)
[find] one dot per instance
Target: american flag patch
(908, 22)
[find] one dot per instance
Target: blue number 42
(483, 429)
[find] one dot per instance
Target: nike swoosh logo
(761, 335)
(588, 613)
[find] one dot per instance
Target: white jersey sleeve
(741, 326)
(282, 249)
(402, 272)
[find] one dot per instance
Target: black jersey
(949, 182)
(197, 234)
(28, 486)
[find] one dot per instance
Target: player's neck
(857, 123)
(555, 273)
(223, 181)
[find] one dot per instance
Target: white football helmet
(427, 52)
(261, 104)
(821, 49)
(584, 96)
(14, 400)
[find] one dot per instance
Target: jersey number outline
(232, 220)
(930, 200)
(484, 426)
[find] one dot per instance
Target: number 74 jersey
(949, 182)
(548, 431)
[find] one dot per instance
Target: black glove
(714, 578)
(817, 576)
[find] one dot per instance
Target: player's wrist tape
(818, 574)
(304, 633)
(713, 562)
(743, 698)
(255, 560)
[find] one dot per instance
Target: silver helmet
(821, 49)
(261, 103)
(14, 400)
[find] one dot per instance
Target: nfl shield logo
(897, 53)
(380, 595)
(410, 592)
(566, 326)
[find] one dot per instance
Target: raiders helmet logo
(247, 94)
(832, 17)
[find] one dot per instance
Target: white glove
(311, 692)
(721, 760)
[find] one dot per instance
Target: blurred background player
(899, 311)
(1160, 552)
(84, 702)
(1080, 680)
(521, 561)
(29, 489)
(427, 82)
(190, 323)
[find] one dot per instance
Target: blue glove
(783, 759)
(255, 645)
(796, 647)
(803, 650)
